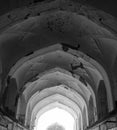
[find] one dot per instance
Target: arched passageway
(58, 59)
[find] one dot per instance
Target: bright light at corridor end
(55, 116)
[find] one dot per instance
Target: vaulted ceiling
(58, 53)
(108, 6)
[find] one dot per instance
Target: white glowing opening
(56, 115)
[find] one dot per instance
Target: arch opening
(55, 116)
(76, 106)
